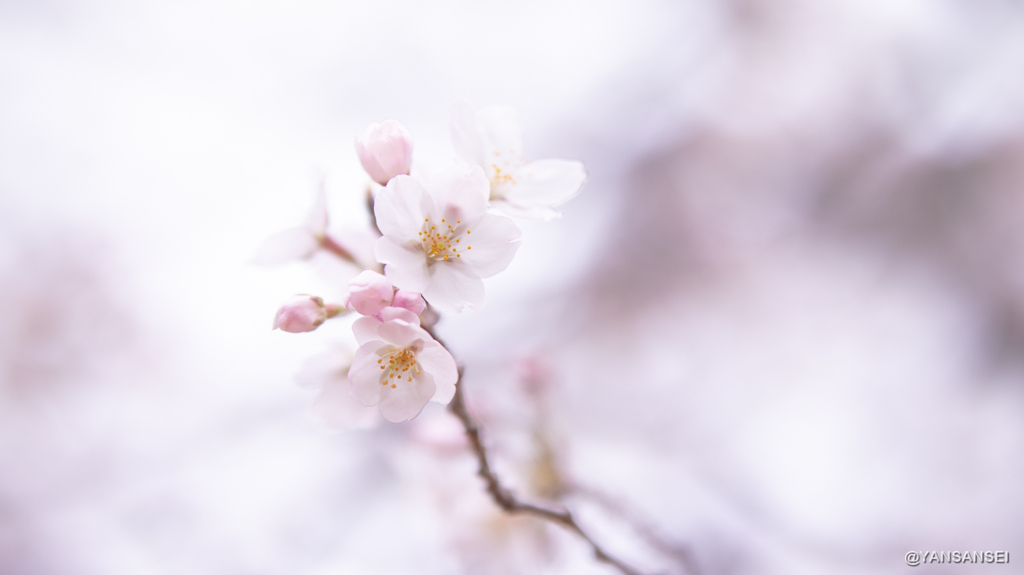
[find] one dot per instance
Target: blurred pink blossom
(299, 242)
(335, 407)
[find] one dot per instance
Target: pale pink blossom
(301, 313)
(411, 301)
(369, 292)
(438, 239)
(399, 367)
(385, 150)
(492, 138)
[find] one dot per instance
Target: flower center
(397, 364)
(502, 172)
(440, 244)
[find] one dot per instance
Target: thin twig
(508, 501)
(680, 552)
(328, 243)
(504, 497)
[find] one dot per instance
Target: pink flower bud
(368, 293)
(301, 313)
(385, 150)
(411, 301)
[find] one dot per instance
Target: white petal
(539, 213)
(365, 373)
(443, 394)
(337, 409)
(406, 266)
(467, 138)
(460, 192)
(494, 246)
(365, 329)
(453, 286)
(324, 367)
(286, 246)
(502, 131)
(546, 183)
(401, 333)
(436, 360)
(401, 207)
(406, 400)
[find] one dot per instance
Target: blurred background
(780, 331)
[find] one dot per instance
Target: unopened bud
(385, 150)
(301, 313)
(369, 292)
(411, 301)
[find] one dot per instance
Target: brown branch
(328, 244)
(507, 500)
(504, 497)
(679, 552)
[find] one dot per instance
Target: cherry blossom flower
(439, 241)
(399, 367)
(492, 138)
(385, 150)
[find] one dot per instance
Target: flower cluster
(440, 236)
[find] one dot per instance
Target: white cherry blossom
(439, 241)
(399, 367)
(492, 138)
